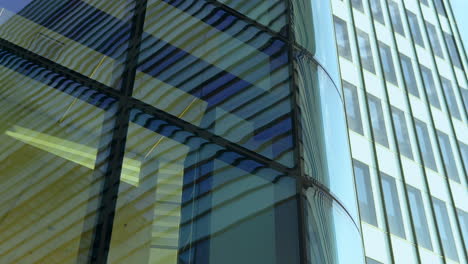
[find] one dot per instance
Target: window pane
(186, 200)
(424, 2)
(425, 144)
(450, 97)
(353, 112)
(464, 93)
(396, 17)
(419, 217)
(364, 191)
(376, 8)
(408, 72)
(377, 120)
(445, 229)
(342, 38)
(401, 129)
(440, 7)
(447, 155)
(54, 141)
(415, 30)
(463, 218)
(392, 205)
(357, 4)
(365, 51)
(434, 40)
(429, 85)
(452, 48)
(387, 63)
(372, 261)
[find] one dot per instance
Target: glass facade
(154, 131)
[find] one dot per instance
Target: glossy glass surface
(353, 111)
(452, 48)
(463, 219)
(326, 148)
(445, 229)
(364, 191)
(414, 27)
(408, 74)
(396, 17)
(447, 156)
(387, 63)
(429, 85)
(392, 205)
(54, 138)
(365, 51)
(377, 120)
(434, 40)
(342, 38)
(89, 37)
(187, 200)
(376, 8)
(333, 237)
(450, 97)
(425, 144)
(419, 217)
(218, 72)
(401, 131)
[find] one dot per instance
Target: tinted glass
(463, 219)
(414, 27)
(183, 199)
(372, 261)
(464, 153)
(401, 130)
(452, 48)
(392, 205)
(450, 97)
(396, 17)
(365, 51)
(419, 217)
(357, 4)
(387, 63)
(353, 112)
(377, 120)
(342, 38)
(408, 72)
(464, 93)
(445, 229)
(365, 195)
(429, 85)
(424, 2)
(425, 144)
(440, 7)
(447, 155)
(376, 8)
(434, 40)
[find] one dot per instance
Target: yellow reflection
(69, 150)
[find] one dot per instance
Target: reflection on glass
(377, 120)
(452, 48)
(401, 130)
(447, 156)
(464, 154)
(463, 219)
(414, 27)
(353, 112)
(419, 217)
(447, 88)
(396, 17)
(429, 85)
(376, 9)
(358, 5)
(372, 261)
(387, 63)
(440, 7)
(365, 195)
(408, 74)
(445, 229)
(392, 205)
(342, 38)
(51, 164)
(434, 40)
(425, 144)
(365, 51)
(195, 202)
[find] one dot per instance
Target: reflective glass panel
(429, 85)
(440, 7)
(372, 261)
(353, 112)
(463, 219)
(414, 27)
(401, 130)
(464, 154)
(452, 48)
(425, 144)
(450, 97)
(396, 17)
(342, 38)
(365, 51)
(392, 205)
(434, 40)
(387, 63)
(358, 5)
(377, 120)
(376, 8)
(419, 217)
(447, 155)
(445, 229)
(408, 73)
(365, 195)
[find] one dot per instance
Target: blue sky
(460, 10)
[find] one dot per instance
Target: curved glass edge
(324, 134)
(332, 236)
(313, 30)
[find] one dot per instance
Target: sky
(460, 10)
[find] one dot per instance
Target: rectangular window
(401, 131)
(434, 40)
(396, 17)
(464, 93)
(440, 7)
(463, 219)
(376, 9)
(447, 88)
(447, 155)
(429, 85)
(464, 153)
(408, 73)
(452, 48)
(372, 261)
(419, 217)
(424, 2)
(342, 38)
(425, 144)
(377, 120)
(358, 5)
(353, 113)
(365, 51)
(364, 192)
(414, 27)
(387, 63)
(445, 230)
(392, 205)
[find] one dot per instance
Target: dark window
(365, 51)
(364, 192)
(434, 40)
(408, 73)
(429, 85)
(452, 48)
(463, 219)
(447, 155)
(415, 30)
(353, 113)
(376, 8)
(447, 88)
(358, 5)
(440, 7)
(401, 131)
(419, 217)
(342, 38)
(392, 205)
(396, 17)
(445, 230)
(387, 63)
(425, 144)
(377, 120)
